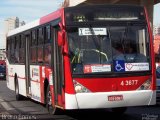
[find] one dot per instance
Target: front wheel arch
(46, 84)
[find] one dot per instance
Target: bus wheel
(18, 96)
(119, 110)
(49, 106)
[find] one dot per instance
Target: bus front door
(58, 73)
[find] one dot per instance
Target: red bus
(84, 57)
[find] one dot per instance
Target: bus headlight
(146, 85)
(79, 88)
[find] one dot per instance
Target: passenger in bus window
(49, 54)
(47, 57)
(130, 48)
(40, 55)
(16, 55)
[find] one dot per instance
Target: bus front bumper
(102, 99)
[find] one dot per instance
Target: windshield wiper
(95, 39)
(124, 38)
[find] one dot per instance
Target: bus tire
(18, 96)
(120, 110)
(51, 109)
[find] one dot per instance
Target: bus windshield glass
(108, 49)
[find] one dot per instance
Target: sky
(25, 10)
(156, 20)
(30, 10)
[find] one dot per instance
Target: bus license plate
(115, 98)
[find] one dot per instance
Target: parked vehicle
(2, 62)
(2, 72)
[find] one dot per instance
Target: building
(156, 30)
(157, 49)
(2, 40)
(2, 55)
(11, 23)
(68, 3)
(22, 23)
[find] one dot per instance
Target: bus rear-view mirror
(61, 37)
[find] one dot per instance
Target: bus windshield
(108, 49)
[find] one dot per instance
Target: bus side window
(12, 50)
(40, 45)
(47, 54)
(33, 57)
(16, 49)
(21, 49)
(8, 48)
(47, 47)
(40, 54)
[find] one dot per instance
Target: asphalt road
(29, 109)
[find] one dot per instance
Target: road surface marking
(7, 106)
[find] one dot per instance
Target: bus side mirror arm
(61, 35)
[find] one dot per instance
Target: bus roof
(42, 20)
(23, 28)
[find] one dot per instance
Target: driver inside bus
(118, 53)
(123, 50)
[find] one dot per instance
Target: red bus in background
(2, 62)
(2, 70)
(84, 57)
